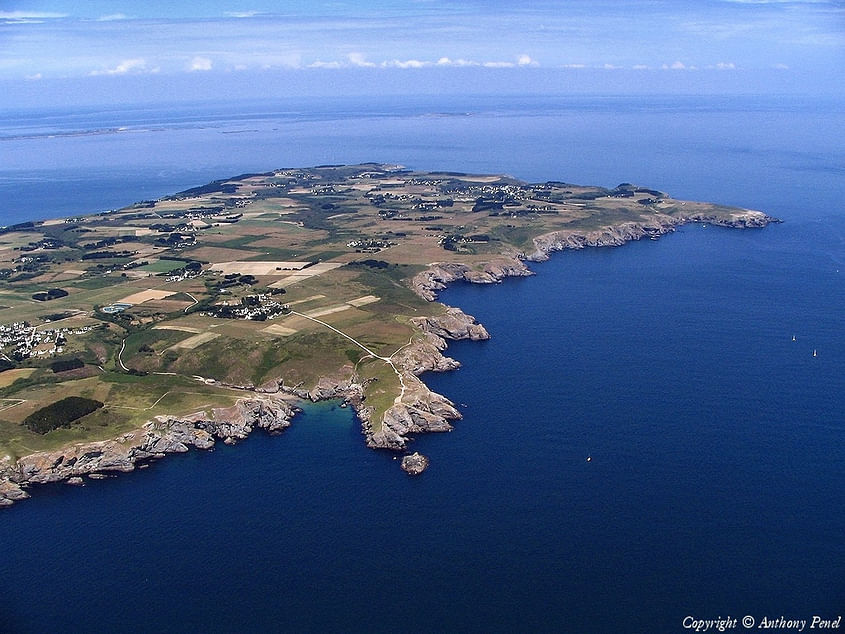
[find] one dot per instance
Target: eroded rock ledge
(155, 439)
(617, 235)
(437, 276)
(440, 274)
(421, 410)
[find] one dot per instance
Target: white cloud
(411, 63)
(719, 66)
(34, 77)
(806, 35)
(358, 59)
(611, 67)
(321, 64)
(30, 15)
(674, 66)
(522, 60)
(201, 64)
(126, 66)
(242, 14)
(781, 67)
(445, 61)
(639, 67)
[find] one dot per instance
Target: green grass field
(162, 266)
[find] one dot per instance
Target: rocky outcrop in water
(156, 438)
(339, 385)
(611, 236)
(414, 464)
(11, 492)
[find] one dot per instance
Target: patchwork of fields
(200, 287)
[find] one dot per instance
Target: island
(175, 323)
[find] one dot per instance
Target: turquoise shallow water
(717, 480)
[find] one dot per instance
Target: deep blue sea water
(717, 480)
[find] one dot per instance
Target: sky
(102, 49)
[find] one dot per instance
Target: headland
(197, 317)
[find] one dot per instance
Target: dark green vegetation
(53, 293)
(64, 365)
(60, 414)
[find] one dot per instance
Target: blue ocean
(716, 485)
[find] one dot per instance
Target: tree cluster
(60, 414)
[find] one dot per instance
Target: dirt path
(387, 360)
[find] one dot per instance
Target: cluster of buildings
(259, 307)
(184, 274)
(500, 192)
(369, 245)
(27, 341)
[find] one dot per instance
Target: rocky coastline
(617, 235)
(419, 410)
(440, 274)
(157, 438)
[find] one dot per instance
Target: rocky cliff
(156, 438)
(617, 235)
(420, 410)
(452, 324)
(438, 276)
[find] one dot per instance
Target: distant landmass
(177, 322)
